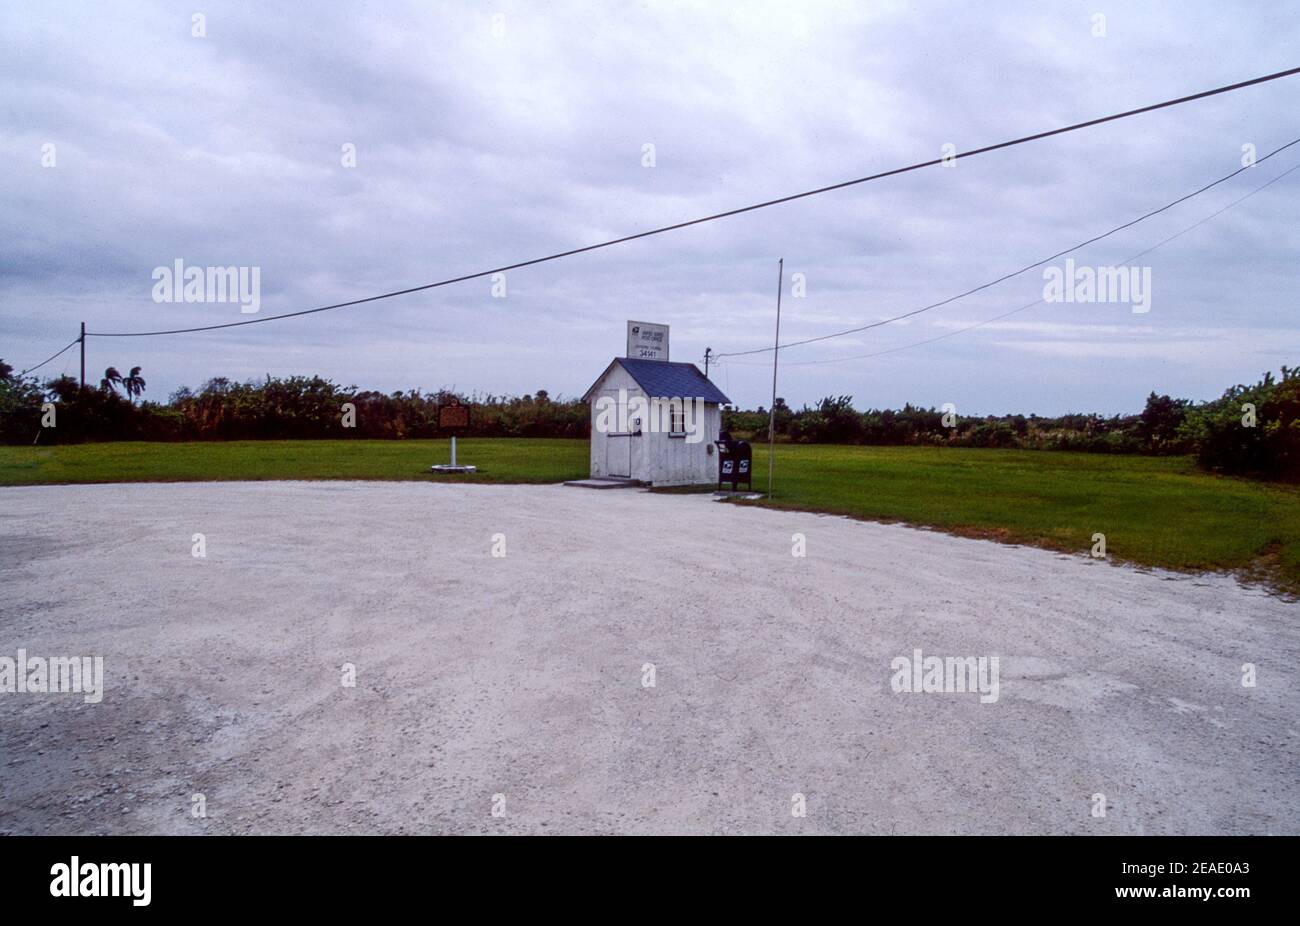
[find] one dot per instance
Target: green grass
(501, 460)
(1154, 511)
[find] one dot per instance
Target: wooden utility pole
(83, 355)
(776, 349)
(707, 351)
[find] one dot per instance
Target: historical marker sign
(453, 416)
(646, 341)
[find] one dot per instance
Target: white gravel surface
(522, 675)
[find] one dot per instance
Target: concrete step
(604, 482)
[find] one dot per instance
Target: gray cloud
(475, 149)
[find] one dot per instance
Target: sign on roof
(646, 341)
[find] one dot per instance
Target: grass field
(1154, 511)
(504, 460)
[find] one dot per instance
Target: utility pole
(707, 351)
(771, 420)
(83, 355)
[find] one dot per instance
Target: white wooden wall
(671, 461)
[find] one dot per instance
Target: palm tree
(112, 379)
(134, 384)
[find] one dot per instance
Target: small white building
(655, 422)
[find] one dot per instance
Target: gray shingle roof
(664, 380)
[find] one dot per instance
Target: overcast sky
(490, 133)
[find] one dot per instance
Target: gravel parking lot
(519, 682)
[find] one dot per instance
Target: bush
(20, 407)
(1159, 424)
(989, 433)
(1250, 430)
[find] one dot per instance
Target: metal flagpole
(771, 420)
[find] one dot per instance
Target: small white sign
(646, 341)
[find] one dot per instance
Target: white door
(618, 444)
(618, 455)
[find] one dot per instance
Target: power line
(1014, 273)
(48, 359)
(1036, 302)
(719, 215)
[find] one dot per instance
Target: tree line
(292, 407)
(1250, 429)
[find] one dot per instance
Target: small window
(676, 420)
